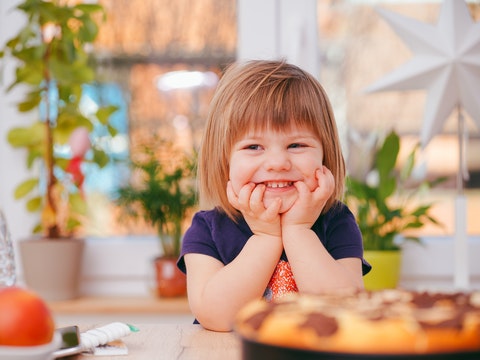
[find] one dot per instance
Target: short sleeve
(197, 239)
(341, 235)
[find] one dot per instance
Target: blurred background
(159, 62)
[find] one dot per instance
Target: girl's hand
(309, 204)
(249, 201)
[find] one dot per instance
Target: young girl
(272, 173)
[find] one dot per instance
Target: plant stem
(52, 230)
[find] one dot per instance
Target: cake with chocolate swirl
(379, 322)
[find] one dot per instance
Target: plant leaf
(34, 204)
(78, 204)
(387, 155)
(25, 187)
(27, 136)
(103, 114)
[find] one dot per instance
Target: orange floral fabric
(282, 282)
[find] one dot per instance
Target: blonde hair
(257, 95)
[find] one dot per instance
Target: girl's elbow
(212, 317)
(218, 325)
(219, 328)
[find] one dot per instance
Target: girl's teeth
(279, 184)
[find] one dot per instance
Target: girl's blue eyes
(258, 147)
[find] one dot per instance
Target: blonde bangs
(276, 106)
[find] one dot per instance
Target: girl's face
(276, 159)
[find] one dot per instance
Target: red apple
(25, 319)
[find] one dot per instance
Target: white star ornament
(446, 64)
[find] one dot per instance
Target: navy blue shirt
(214, 234)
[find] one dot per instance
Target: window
(358, 47)
(142, 44)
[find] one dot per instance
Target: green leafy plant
(388, 206)
(164, 194)
(53, 64)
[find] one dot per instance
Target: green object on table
(133, 328)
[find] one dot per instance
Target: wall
(12, 162)
(431, 265)
(273, 29)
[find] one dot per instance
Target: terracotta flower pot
(171, 282)
(52, 267)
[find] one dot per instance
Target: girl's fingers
(273, 209)
(231, 196)
(245, 193)
(249, 198)
(302, 188)
(326, 183)
(256, 198)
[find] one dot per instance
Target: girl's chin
(287, 203)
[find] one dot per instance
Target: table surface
(169, 342)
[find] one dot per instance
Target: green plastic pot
(385, 273)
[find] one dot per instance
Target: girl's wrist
(268, 237)
(295, 231)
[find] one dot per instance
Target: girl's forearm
(314, 269)
(243, 280)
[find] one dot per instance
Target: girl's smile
(284, 190)
(278, 184)
(276, 161)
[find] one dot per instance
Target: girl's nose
(277, 160)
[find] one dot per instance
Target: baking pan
(252, 350)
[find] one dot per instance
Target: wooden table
(170, 342)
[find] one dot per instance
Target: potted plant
(162, 192)
(386, 206)
(52, 66)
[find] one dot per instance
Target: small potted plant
(53, 65)
(162, 192)
(386, 206)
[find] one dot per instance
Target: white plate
(40, 352)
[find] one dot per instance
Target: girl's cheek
(312, 183)
(236, 184)
(238, 179)
(235, 188)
